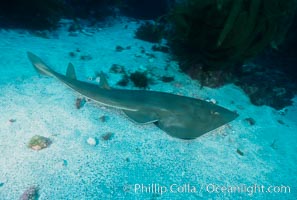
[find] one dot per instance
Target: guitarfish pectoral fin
(141, 117)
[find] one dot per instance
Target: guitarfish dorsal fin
(71, 72)
(103, 81)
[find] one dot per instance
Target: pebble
(211, 101)
(92, 141)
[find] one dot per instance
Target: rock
(167, 79)
(30, 194)
(117, 69)
(92, 141)
(211, 100)
(38, 142)
(103, 118)
(80, 102)
(12, 120)
(108, 136)
(239, 152)
(267, 86)
(250, 120)
(160, 48)
(119, 48)
(86, 57)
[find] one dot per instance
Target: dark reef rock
(213, 79)
(267, 86)
(150, 32)
(91, 9)
(32, 14)
(45, 14)
(160, 48)
(167, 79)
(144, 9)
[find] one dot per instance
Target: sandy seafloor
(137, 154)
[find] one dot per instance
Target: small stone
(103, 118)
(239, 152)
(251, 121)
(86, 57)
(283, 111)
(12, 120)
(1, 184)
(274, 144)
(213, 101)
(167, 79)
(92, 141)
(30, 194)
(72, 54)
(281, 121)
(38, 142)
(124, 80)
(117, 69)
(108, 136)
(119, 48)
(64, 163)
(137, 55)
(80, 102)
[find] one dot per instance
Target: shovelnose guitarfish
(179, 116)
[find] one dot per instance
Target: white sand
(72, 169)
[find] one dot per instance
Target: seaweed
(222, 33)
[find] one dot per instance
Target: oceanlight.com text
(249, 189)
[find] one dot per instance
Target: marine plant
(221, 33)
